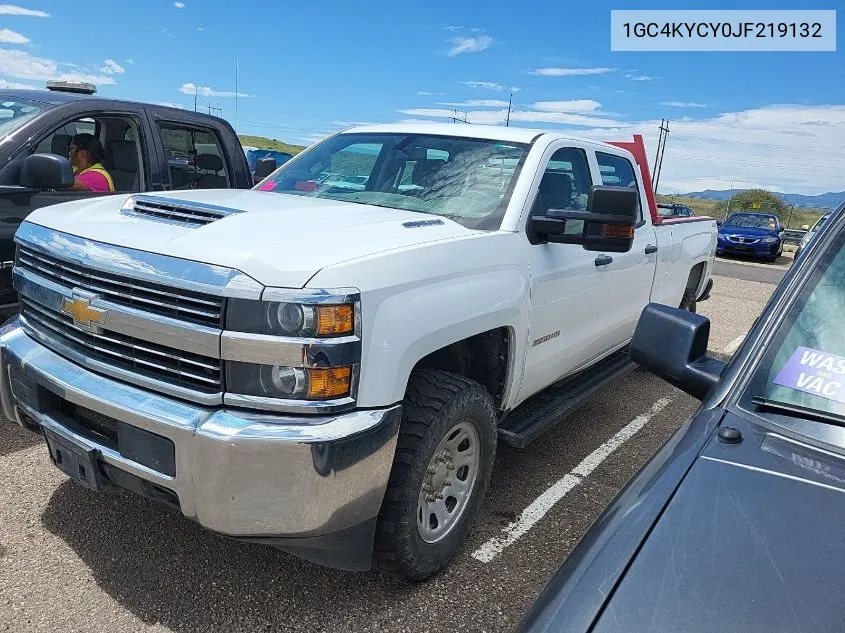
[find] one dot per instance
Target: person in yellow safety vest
(85, 154)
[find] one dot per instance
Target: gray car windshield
(468, 180)
(804, 366)
(15, 112)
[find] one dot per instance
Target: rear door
(630, 275)
(198, 153)
(568, 291)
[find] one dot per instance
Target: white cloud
(351, 123)
(11, 9)
(454, 29)
(755, 147)
(683, 104)
(496, 117)
(206, 91)
(12, 37)
(477, 103)
(13, 85)
(570, 72)
(575, 105)
(130, 61)
(484, 85)
(425, 93)
(170, 104)
(470, 45)
(641, 77)
(179, 5)
(111, 67)
(22, 65)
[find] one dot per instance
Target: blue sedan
(754, 234)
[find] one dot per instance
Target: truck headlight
(288, 383)
(290, 319)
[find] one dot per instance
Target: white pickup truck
(327, 367)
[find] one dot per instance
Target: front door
(632, 272)
(566, 327)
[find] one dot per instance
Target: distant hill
(262, 142)
(822, 201)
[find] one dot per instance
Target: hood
(747, 231)
(280, 240)
(753, 540)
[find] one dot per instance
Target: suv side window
(566, 184)
(619, 172)
(195, 157)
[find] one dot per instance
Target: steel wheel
(448, 483)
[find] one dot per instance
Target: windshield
(468, 180)
(804, 366)
(15, 112)
(751, 221)
(819, 223)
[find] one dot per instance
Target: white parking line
(542, 504)
(731, 347)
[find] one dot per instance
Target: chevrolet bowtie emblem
(83, 313)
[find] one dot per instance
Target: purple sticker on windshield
(815, 372)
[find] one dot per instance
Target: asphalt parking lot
(71, 560)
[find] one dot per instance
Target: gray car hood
(753, 540)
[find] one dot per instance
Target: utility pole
(661, 148)
(196, 90)
(508, 120)
(236, 94)
(454, 118)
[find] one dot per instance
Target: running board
(544, 410)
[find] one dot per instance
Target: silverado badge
(84, 314)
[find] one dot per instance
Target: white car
(330, 370)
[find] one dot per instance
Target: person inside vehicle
(85, 154)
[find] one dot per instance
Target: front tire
(441, 472)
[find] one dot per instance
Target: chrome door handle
(651, 248)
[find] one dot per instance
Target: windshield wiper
(798, 411)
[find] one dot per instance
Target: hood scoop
(181, 212)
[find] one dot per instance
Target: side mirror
(264, 168)
(46, 171)
(608, 221)
(672, 344)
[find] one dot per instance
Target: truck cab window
(566, 184)
(619, 172)
(118, 135)
(195, 157)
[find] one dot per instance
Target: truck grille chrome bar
(184, 369)
(185, 305)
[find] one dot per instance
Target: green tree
(757, 200)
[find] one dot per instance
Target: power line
(661, 148)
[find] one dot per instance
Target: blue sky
(307, 69)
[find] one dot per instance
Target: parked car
(150, 148)
(327, 367)
(810, 234)
(738, 522)
(755, 234)
(255, 156)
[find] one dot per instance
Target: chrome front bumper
(236, 473)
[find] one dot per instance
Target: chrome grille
(138, 356)
(189, 213)
(184, 305)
